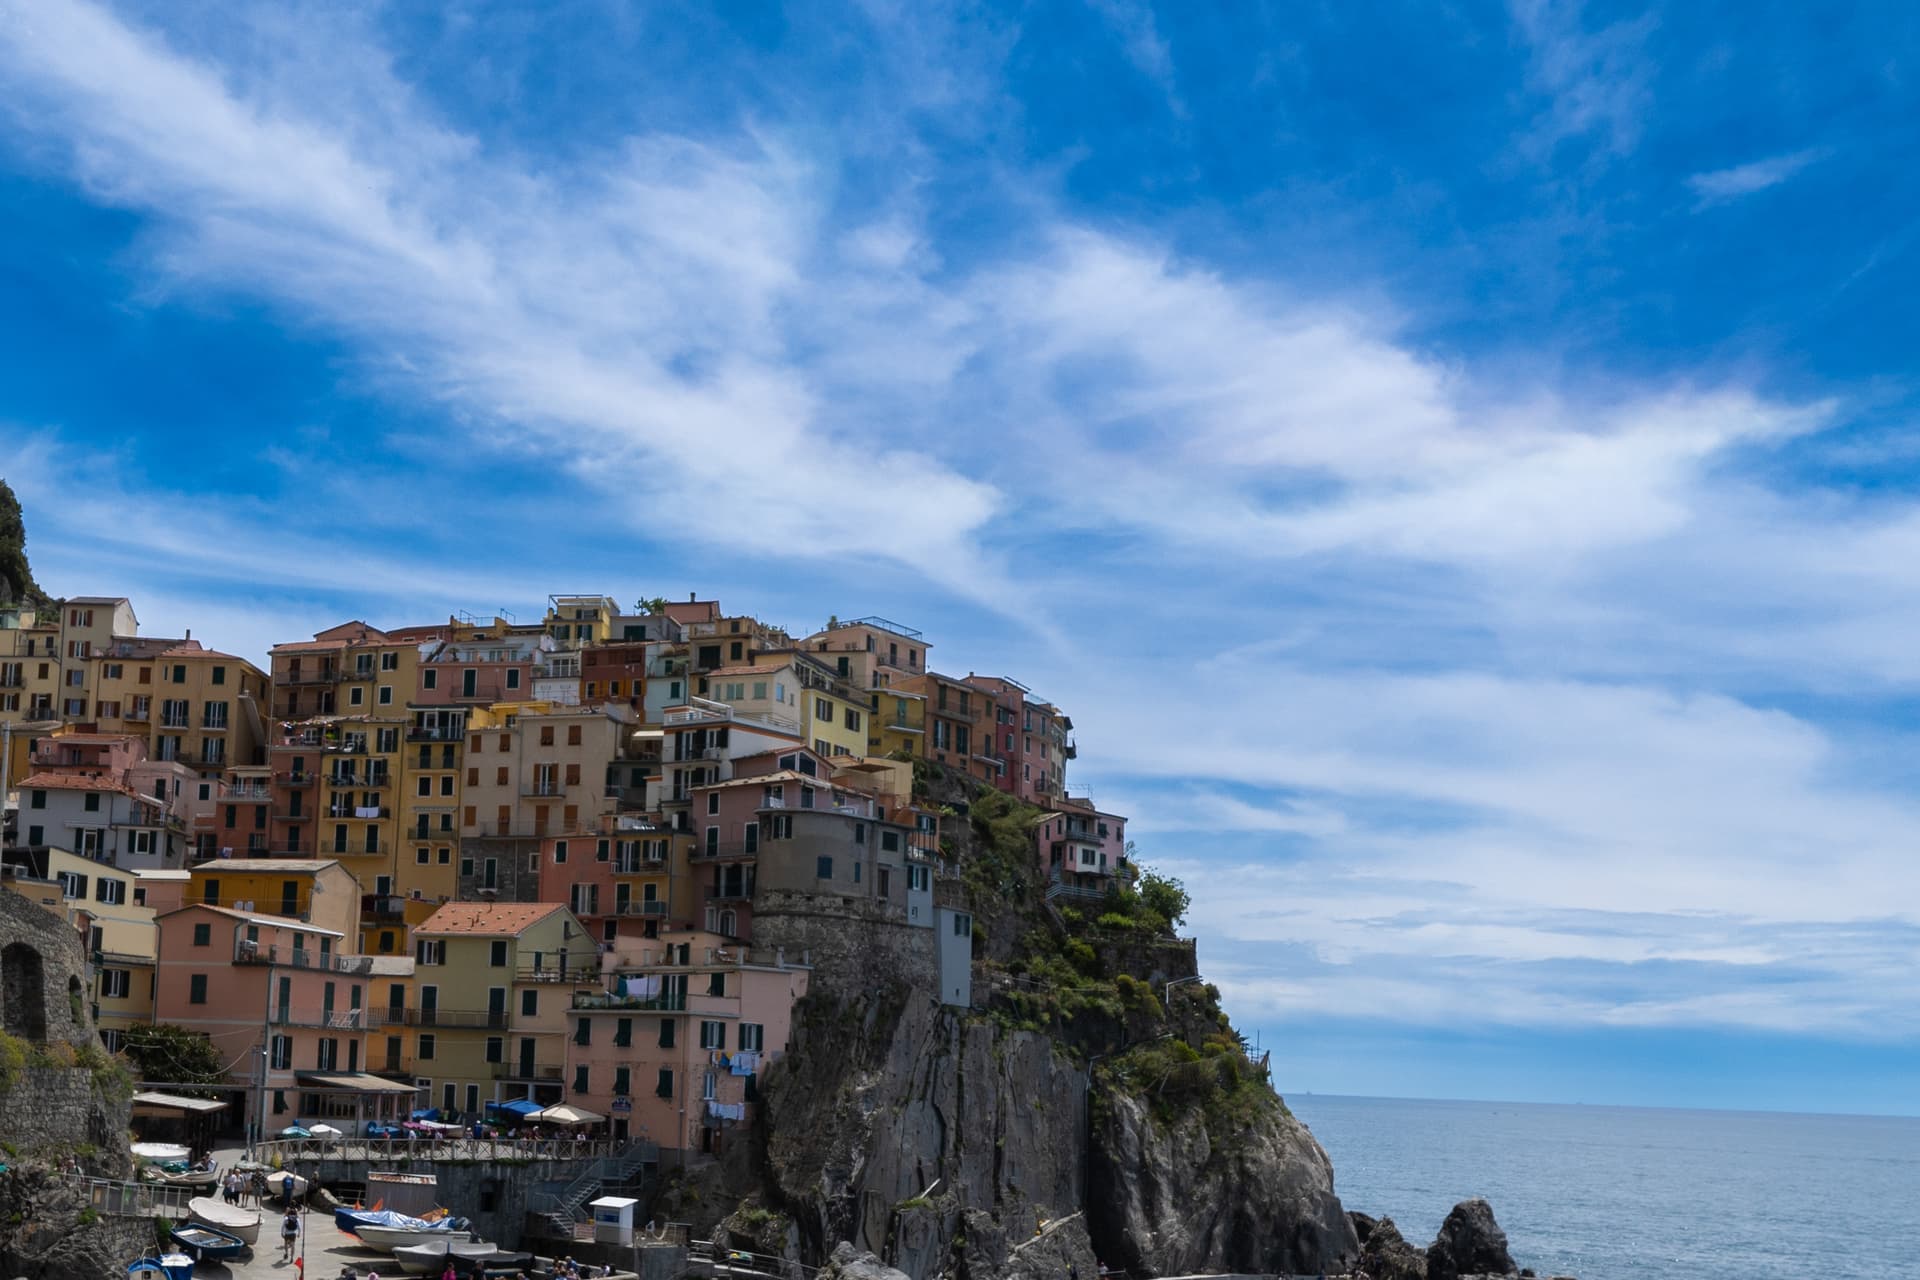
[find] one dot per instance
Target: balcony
(667, 1002)
(544, 790)
(378, 849)
(324, 675)
(296, 817)
(211, 726)
(356, 782)
(639, 866)
(294, 779)
(519, 1071)
(378, 906)
(725, 852)
(588, 970)
(13, 680)
(174, 720)
(443, 733)
(355, 813)
(252, 791)
(654, 907)
(479, 1019)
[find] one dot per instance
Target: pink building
(674, 1048)
(1080, 850)
(252, 983)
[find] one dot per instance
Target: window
(426, 1047)
(752, 1034)
(716, 984)
(822, 868)
(583, 1031)
(663, 1086)
(328, 1056)
(623, 1033)
(529, 1004)
(497, 953)
(573, 735)
(667, 1033)
(390, 661)
(92, 802)
(356, 696)
(429, 679)
(580, 1080)
(203, 935)
(856, 872)
(197, 989)
(546, 735)
(962, 925)
(496, 1049)
(38, 800)
(280, 1053)
(386, 695)
(111, 892)
(430, 951)
(890, 841)
(823, 710)
(622, 1081)
(513, 677)
(853, 719)
(113, 984)
(713, 1035)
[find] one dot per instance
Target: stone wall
(852, 945)
(56, 1109)
(512, 856)
(48, 1232)
(43, 975)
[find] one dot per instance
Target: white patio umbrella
(564, 1113)
(323, 1131)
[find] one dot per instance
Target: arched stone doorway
(23, 992)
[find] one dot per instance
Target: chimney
(692, 596)
(189, 633)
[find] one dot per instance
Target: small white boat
(430, 1257)
(230, 1218)
(391, 1238)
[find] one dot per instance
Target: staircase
(564, 1211)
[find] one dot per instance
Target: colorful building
(493, 984)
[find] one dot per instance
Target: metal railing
(671, 1002)
(138, 1199)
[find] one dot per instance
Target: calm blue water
(1626, 1193)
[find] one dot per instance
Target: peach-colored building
(674, 1047)
(284, 1004)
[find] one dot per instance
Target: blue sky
(1454, 463)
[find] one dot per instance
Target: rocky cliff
(1081, 1113)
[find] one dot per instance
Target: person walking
(289, 1235)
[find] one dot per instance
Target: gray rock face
(849, 1263)
(1470, 1243)
(1174, 1199)
(901, 1126)
(1385, 1254)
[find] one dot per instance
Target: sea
(1630, 1193)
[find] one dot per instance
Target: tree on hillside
(16, 578)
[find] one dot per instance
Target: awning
(174, 1102)
(519, 1106)
(358, 1083)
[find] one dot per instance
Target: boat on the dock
(230, 1218)
(391, 1238)
(430, 1257)
(201, 1242)
(350, 1219)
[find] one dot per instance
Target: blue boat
(200, 1241)
(351, 1220)
(168, 1266)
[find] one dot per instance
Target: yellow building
(493, 982)
(574, 621)
(897, 722)
(797, 691)
(316, 891)
(46, 655)
(192, 704)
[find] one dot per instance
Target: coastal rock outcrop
(1470, 1243)
(1386, 1255)
(1172, 1195)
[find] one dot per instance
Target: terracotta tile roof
(194, 649)
(75, 782)
(487, 919)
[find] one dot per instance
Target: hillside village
(486, 866)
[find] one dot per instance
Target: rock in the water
(1177, 1197)
(1470, 1243)
(1387, 1256)
(849, 1263)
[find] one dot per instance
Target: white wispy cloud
(1458, 648)
(1133, 24)
(1718, 186)
(1596, 82)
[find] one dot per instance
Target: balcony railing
(588, 970)
(519, 1070)
(667, 1002)
(324, 675)
(294, 779)
(648, 907)
(486, 1019)
(363, 850)
(544, 789)
(731, 852)
(380, 906)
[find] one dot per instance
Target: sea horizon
(1287, 1094)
